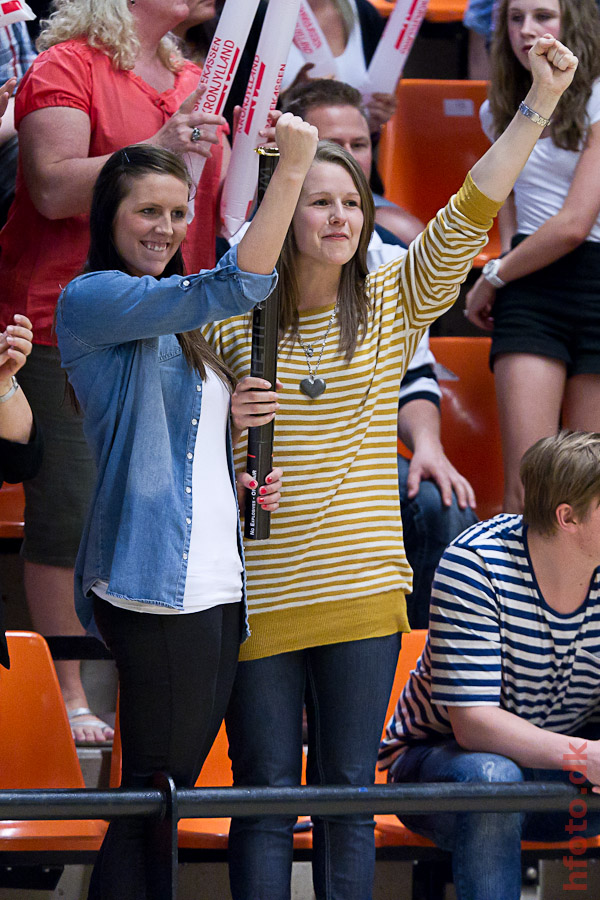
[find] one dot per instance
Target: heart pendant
(313, 387)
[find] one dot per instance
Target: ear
(565, 518)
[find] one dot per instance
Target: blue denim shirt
(142, 405)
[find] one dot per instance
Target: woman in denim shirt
(160, 567)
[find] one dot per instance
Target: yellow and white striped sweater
(334, 568)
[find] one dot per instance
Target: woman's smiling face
(150, 223)
(328, 220)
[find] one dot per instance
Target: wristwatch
(489, 273)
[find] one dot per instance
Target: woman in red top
(109, 76)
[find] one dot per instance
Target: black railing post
(163, 880)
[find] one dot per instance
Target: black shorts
(57, 499)
(553, 312)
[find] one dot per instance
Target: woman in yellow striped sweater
(326, 593)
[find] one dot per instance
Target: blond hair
(106, 25)
(564, 468)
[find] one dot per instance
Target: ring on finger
(196, 134)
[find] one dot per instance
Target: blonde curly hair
(106, 25)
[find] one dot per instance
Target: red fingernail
(263, 490)
(260, 499)
(254, 484)
(269, 479)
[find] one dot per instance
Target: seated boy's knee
(486, 767)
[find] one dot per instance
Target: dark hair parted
(563, 468)
(510, 81)
(320, 92)
(112, 186)
(354, 307)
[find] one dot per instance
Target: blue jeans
(428, 528)
(485, 847)
(346, 688)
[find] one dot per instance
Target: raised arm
(259, 249)
(438, 260)
(552, 67)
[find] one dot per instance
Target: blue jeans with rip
(346, 687)
(485, 847)
(428, 527)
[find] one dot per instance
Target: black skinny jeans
(175, 674)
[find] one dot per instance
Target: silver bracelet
(535, 117)
(11, 391)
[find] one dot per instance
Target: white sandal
(92, 721)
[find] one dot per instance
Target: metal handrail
(217, 802)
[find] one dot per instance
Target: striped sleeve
(464, 633)
(427, 280)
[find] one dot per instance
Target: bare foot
(87, 729)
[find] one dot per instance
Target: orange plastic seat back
(412, 647)
(36, 746)
(12, 509)
(430, 144)
(437, 10)
(216, 771)
(470, 428)
(446, 10)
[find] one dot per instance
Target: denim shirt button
(190, 456)
(188, 490)
(194, 421)
(186, 283)
(198, 387)
(185, 555)
(188, 521)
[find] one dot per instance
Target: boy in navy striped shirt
(508, 685)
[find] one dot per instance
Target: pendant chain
(308, 351)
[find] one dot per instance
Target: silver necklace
(313, 386)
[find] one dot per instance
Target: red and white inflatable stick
(261, 97)
(312, 44)
(392, 50)
(12, 11)
(219, 69)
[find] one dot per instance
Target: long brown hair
(112, 186)
(354, 307)
(510, 81)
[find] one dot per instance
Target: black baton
(263, 364)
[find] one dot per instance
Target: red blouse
(40, 256)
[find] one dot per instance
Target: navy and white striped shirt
(494, 641)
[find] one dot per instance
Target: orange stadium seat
(204, 834)
(389, 831)
(37, 752)
(212, 834)
(470, 429)
(437, 10)
(12, 508)
(430, 144)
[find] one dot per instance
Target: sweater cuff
(475, 204)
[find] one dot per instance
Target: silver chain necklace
(312, 386)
